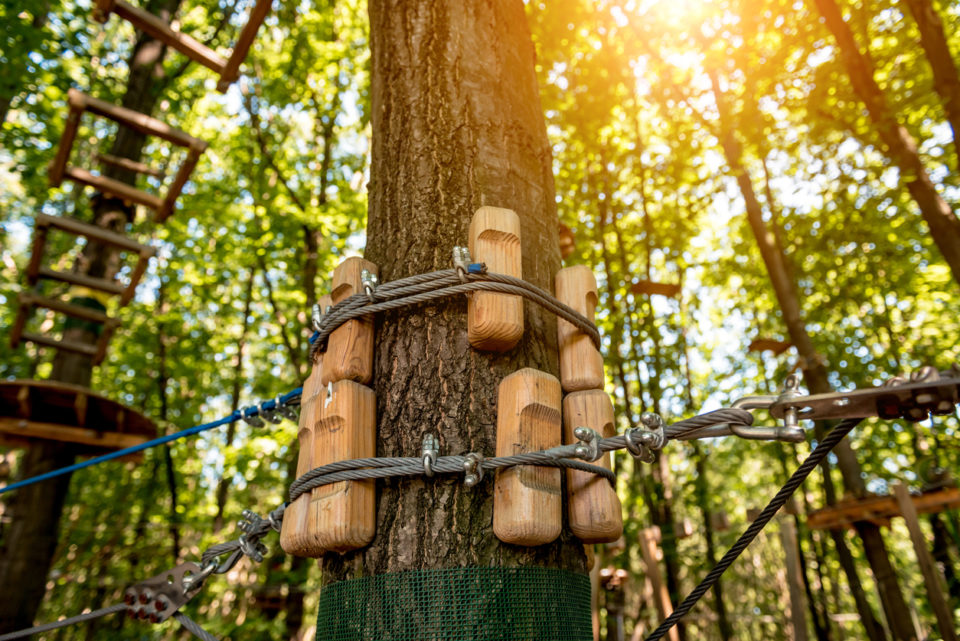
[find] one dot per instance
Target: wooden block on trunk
(495, 321)
(342, 516)
(293, 534)
(593, 507)
(349, 353)
(526, 502)
(581, 363)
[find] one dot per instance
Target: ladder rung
(70, 346)
(105, 236)
(75, 311)
(129, 165)
(100, 284)
(113, 187)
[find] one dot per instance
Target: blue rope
(235, 416)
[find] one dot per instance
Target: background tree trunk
(457, 124)
(901, 147)
(29, 546)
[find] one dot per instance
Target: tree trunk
(35, 510)
(901, 147)
(457, 124)
(703, 501)
(946, 80)
(815, 375)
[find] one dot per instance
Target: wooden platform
(81, 103)
(49, 410)
(651, 288)
(228, 69)
(880, 509)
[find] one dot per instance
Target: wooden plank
(798, 605)
(94, 232)
(129, 165)
(113, 187)
(881, 508)
(231, 70)
(74, 311)
(100, 284)
(581, 363)
(59, 164)
(52, 432)
(527, 505)
(70, 346)
(494, 320)
(141, 122)
(154, 26)
(102, 10)
(652, 288)
(349, 353)
(769, 345)
(931, 576)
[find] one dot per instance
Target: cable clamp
(588, 448)
(285, 410)
(429, 453)
(461, 262)
(642, 442)
(156, 599)
(249, 416)
(369, 281)
(473, 469)
(271, 415)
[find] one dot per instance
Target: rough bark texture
(29, 546)
(901, 147)
(457, 124)
(815, 376)
(946, 80)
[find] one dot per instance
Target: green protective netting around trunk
(488, 603)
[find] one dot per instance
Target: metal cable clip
(461, 262)
(369, 281)
(284, 409)
(429, 452)
(158, 598)
(270, 415)
(641, 442)
(250, 418)
(473, 469)
(589, 447)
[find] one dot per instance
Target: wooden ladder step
(113, 187)
(82, 280)
(94, 232)
(129, 165)
(74, 311)
(70, 346)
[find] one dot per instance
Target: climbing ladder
(81, 103)
(227, 68)
(111, 287)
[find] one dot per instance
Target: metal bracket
(369, 281)
(158, 598)
(913, 401)
(251, 419)
(286, 411)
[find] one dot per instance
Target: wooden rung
(94, 232)
(769, 345)
(141, 122)
(129, 165)
(183, 175)
(527, 504)
(157, 28)
(581, 363)
(593, 507)
(70, 346)
(651, 288)
(53, 432)
(113, 187)
(247, 35)
(99, 284)
(75, 311)
(349, 353)
(494, 320)
(880, 509)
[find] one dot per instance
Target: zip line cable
(241, 414)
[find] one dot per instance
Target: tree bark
(901, 147)
(29, 547)
(457, 124)
(815, 375)
(946, 80)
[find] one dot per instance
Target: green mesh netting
(459, 604)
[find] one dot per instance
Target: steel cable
(799, 476)
(80, 618)
(193, 627)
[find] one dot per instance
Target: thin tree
(900, 146)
